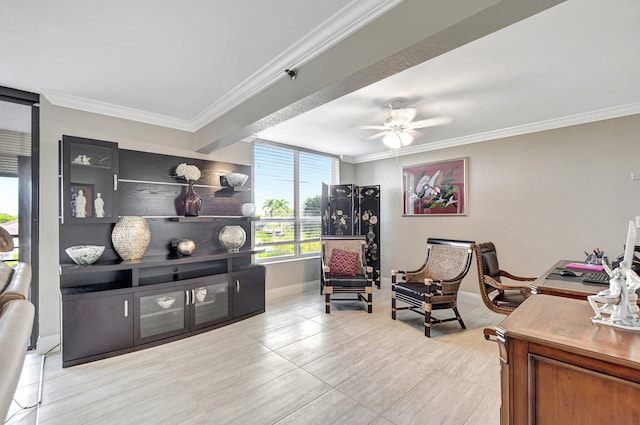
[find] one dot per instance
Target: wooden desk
(569, 287)
(559, 368)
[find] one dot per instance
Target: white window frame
(298, 219)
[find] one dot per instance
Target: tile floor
(291, 365)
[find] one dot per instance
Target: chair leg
(455, 309)
(427, 320)
(393, 305)
(327, 299)
(369, 299)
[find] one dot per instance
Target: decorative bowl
(165, 302)
(85, 254)
(201, 294)
(186, 247)
(235, 179)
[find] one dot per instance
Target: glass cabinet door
(89, 180)
(210, 303)
(160, 314)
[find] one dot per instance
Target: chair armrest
(518, 278)
(394, 275)
(524, 290)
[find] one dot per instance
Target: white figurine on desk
(619, 302)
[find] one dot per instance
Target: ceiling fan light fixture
(397, 139)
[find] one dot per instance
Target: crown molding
(352, 17)
(570, 120)
(109, 109)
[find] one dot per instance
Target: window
(288, 186)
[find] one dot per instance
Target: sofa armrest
(16, 320)
(18, 287)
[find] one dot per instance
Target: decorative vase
(248, 209)
(192, 202)
(232, 238)
(131, 237)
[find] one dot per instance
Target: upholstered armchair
(344, 270)
(499, 297)
(434, 286)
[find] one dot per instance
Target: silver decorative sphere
(186, 247)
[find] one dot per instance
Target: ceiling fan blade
(377, 135)
(403, 115)
(430, 122)
(370, 127)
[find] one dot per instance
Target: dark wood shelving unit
(109, 307)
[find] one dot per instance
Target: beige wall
(539, 197)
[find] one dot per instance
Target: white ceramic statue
(81, 205)
(619, 301)
(99, 205)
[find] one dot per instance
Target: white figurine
(619, 302)
(81, 205)
(99, 205)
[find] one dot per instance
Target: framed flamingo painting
(437, 188)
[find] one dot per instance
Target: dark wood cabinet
(105, 319)
(199, 304)
(248, 291)
(96, 325)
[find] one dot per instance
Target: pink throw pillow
(344, 263)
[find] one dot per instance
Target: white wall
(540, 197)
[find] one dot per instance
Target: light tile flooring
(292, 365)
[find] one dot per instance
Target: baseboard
(47, 343)
(297, 288)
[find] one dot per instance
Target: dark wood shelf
(208, 218)
(152, 261)
(104, 167)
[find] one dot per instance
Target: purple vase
(192, 203)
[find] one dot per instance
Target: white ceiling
(193, 64)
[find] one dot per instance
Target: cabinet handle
(126, 308)
(193, 296)
(237, 285)
(115, 182)
(187, 295)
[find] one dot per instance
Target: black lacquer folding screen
(354, 210)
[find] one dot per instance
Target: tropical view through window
(9, 214)
(288, 185)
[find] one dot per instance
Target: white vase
(232, 238)
(248, 209)
(131, 237)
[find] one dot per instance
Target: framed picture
(436, 188)
(81, 200)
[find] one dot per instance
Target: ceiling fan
(399, 128)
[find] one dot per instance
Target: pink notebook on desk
(583, 266)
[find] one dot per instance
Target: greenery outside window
(287, 192)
